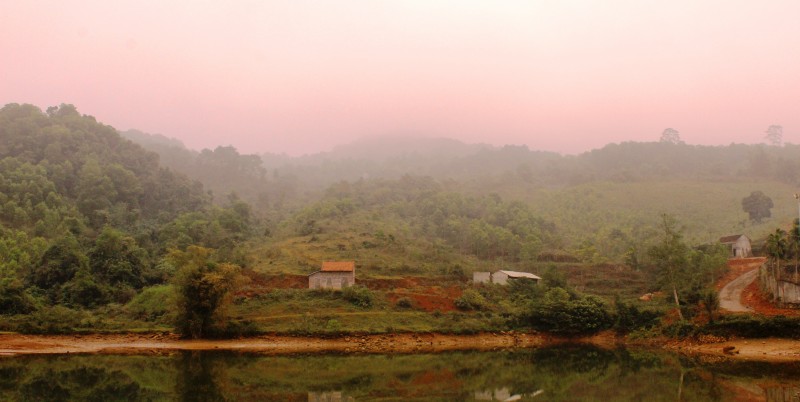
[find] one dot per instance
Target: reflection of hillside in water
(553, 374)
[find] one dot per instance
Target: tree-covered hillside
(87, 215)
(603, 203)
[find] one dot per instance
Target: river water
(569, 373)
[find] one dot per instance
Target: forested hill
(618, 188)
(394, 157)
(87, 215)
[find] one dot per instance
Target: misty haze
(359, 200)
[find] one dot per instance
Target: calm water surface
(548, 374)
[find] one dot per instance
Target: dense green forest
(87, 215)
(110, 230)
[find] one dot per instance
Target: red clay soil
(433, 298)
(737, 267)
(425, 293)
(406, 282)
(760, 302)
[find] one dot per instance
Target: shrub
(14, 299)
(630, 317)
(471, 299)
(559, 313)
(359, 296)
(333, 326)
(404, 302)
(754, 327)
(152, 303)
(680, 329)
(52, 320)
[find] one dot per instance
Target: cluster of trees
(687, 273)
(89, 218)
(422, 208)
(601, 226)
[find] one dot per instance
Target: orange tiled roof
(338, 266)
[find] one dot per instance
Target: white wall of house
(742, 248)
(481, 277)
(331, 280)
(500, 278)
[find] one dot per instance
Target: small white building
(739, 245)
(481, 277)
(502, 277)
(333, 275)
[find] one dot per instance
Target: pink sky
(302, 76)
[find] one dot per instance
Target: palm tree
(776, 246)
(794, 243)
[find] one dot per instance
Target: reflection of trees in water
(199, 376)
(81, 384)
(554, 374)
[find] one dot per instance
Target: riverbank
(16, 344)
(775, 350)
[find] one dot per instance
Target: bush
(14, 299)
(404, 302)
(359, 296)
(152, 304)
(52, 320)
(559, 313)
(471, 299)
(680, 329)
(754, 327)
(630, 317)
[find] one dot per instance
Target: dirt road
(730, 297)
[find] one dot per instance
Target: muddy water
(545, 374)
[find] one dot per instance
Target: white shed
(481, 277)
(502, 277)
(739, 244)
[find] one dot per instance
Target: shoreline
(19, 344)
(769, 349)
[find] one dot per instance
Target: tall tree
(204, 288)
(671, 258)
(671, 135)
(758, 206)
(774, 135)
(794, 243)
(776, 246)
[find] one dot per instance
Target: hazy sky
(302, 76)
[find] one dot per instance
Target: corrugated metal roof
(515, 274)
(338, 266)
(729, 239)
